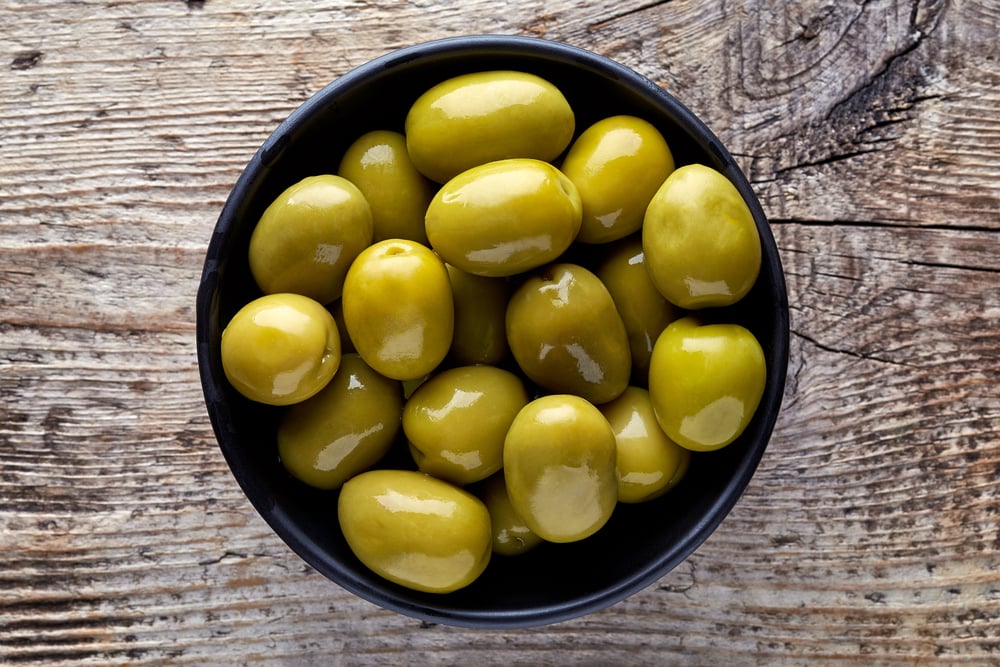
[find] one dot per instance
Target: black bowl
(555, 582)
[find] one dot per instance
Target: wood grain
(870, 533)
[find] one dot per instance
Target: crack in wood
(827, 160)
(867, 138)
(227, 556)
(880, 224)
(863, 119)
(851, 353)
(631, 12)
(917, 38)
(946, 265)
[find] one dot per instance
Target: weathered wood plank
(871, 532)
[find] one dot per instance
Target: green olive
(415, 530)
(380, 166)
(644, 311)
(511, 535)
(344, 429)
(649, 463)
(480, 310)
(477, 118)
(566, 334)
(504, 217)
(457, 420)
(705, 382)
(701, 243)
(617, 164)
(559, 466)
(280, 349)
(308, 236)
(398, 308)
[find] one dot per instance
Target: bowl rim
(302, 544)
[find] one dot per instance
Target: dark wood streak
(869, 535)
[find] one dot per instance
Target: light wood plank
(871, 532)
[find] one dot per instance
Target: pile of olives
(519, 302)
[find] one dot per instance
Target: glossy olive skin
(415, 530)
(511, 535)
(705, 382)
(477, 118)
(457, 420)
(701, 243)
(644, 311)
(480, 312)
(617, 164)
(380, 166)
(308, 236)
(398, 308)
(280, 349)
(559, 464)
(648, 462)
(566, 334)
(344, 429)
(504, 217)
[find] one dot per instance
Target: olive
(457, 420)
(617, 164)
(511, 535)
(649, 463)
(566, 334)
(398, 308)
(280, 349)
(480, 311)
(380, 166)
(415, 530)
(705, 382)
(472, 119)
(308, 236)
(504, 217)
(344, 429)
(701, 243)
(559, 466)
(644, 311)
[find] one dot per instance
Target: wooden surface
(870, 533)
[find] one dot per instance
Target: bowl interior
(555, 582)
